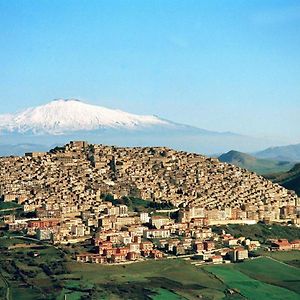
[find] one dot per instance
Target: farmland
(290, 257)
(51, 273)
(135, 280)
(262, 278)
(277, 273)
(46, 272)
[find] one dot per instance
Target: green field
(261, 232)
(291, 257)
(8, 205)
(163, 294)
(277, 273)
(289, 180)
(284, 256)
(261, 278)
(135, 280)
(53, 274)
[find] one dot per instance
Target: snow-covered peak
(66, 115)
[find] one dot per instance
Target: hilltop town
(136, 203)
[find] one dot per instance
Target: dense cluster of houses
(284, 245)
(63, 189)
(110, 249)
(70, 180)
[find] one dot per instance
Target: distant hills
(283, 153)
(20, 149)
(257, 165)
(290, 179)
(284, 173)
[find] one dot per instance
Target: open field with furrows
(261, 278)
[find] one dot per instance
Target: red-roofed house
(156, 254)
(217, 259)
(118, 257)
(296, 244)
(281, 245)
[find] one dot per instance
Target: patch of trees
(53, 268)
(161, 205)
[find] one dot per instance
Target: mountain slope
(178, 177)
(290, 179)
(61, 116)
(260, 166)
(63, 120)
(289, 153)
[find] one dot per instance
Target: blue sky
(221, 65)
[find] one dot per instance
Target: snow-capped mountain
(60, 121)
(64, 116)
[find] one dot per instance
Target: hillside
(260, 231)
(290, 179)
(283, 153)
(79, 172)
(257, 165)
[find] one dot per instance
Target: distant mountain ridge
(62, 116)
(20, 149)
(290, 153)
(62, 120)
(251, 163)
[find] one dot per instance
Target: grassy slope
(27, 276)
(261, 232)
(258, 165)
(250, 288)
(8, 205)
(24, 274)
(262, 278)
(290, 179)
(177, 275)
(134, 281)
(165, 294)
(289, 257)
(273, 272)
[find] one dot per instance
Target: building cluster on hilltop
(64, 187)
(72, 178)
